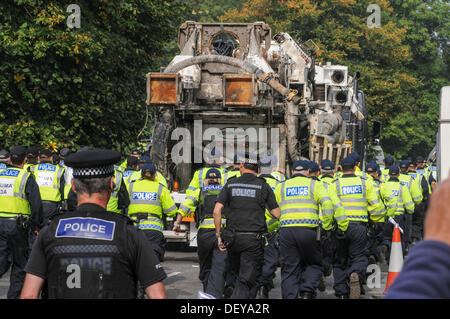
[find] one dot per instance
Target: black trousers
(14, 252)
(49, 209)
(301, 261)
(158, 242)
(351, 256)
(246, 260)
(212, 263)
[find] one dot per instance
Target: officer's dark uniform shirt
(112, 254)
(247, 197)
(34, 198)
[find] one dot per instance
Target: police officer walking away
(361, 203)
(90, 252)
(50, 179)
(212, 260)
(149, 200)
(4, 159)
(271, 250)
(247, 197)
(300, 250)
(20, 214)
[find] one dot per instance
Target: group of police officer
(327, 223)
(35, 191)
(250, 219)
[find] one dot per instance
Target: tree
(82, 86)
(398, 92)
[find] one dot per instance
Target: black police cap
(348, 162)
(394, 170)
(213, 173)
(132, 160)
(64, 152)
(33, 151)
(18, 153)
(93, 163)
(45, 152)
(4, 155)
(327, 165)
(404, 164)
(301, 165)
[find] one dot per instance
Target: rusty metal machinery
(237, 75)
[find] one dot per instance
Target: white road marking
(173, 274)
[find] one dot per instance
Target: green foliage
(80, 87)
(403, 64)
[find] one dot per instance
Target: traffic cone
(396, 258)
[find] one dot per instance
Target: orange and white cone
(396, 257)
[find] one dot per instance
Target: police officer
(213, 160)
(327, 243)
(375, 233)
(132, 167)
(235, 171)
(212, 260)
(398, 201)
(4, 159)
(247, 197)
(387, 163)
(314, 170)
(326, 171)
(361, 203)
(431, 175)
(149, 201)
(134, 153)
(67, 178)
(271, 250)
(417, 171)
(300, 252)
(415, 189)
(119, 200)
(32, 157)
(143, 160)
(50, 179)
(20, 214)
(89, 252)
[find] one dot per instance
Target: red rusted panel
(162, 89)
(239, 90)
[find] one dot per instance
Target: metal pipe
(290, 95)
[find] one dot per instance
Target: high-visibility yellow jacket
(272, 223)
(48, 177)
(358, 198)
(153, 199)
(113, 203)
(396, 197)
(384, 175)
(376, 184)
(13, 199)
(279, 176)
(413, 187)
(234, 173)
(199, 178)
(138, 174)
(299, 198)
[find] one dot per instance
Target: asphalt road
(181, 266)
